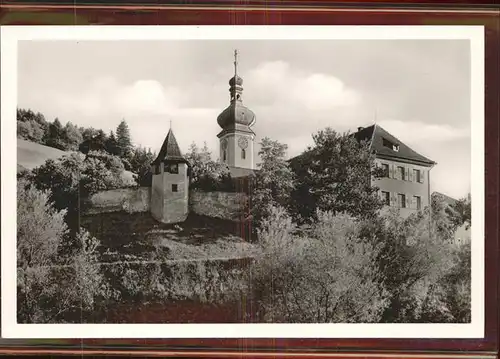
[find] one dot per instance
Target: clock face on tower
(243, 142)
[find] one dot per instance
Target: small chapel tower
(169, 193)
(236, 138)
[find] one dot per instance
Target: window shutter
(407, 173)
(422, 174)
(410, 174)
(408, 200)
(391, 171)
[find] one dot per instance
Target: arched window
(224, 155)
(243, 154)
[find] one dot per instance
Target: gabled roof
(170, 150)
(379, 140)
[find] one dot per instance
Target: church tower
(236, 138)
(169, 193)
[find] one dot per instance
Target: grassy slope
(31, 155)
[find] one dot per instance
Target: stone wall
(225, 205)
(130, 200)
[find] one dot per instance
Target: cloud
(280, 84)
(107, 96)
(415, 131)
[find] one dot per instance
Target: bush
(328, 277)
(72, 178)
(47, 291)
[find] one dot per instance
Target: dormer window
(391, 145)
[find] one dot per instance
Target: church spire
(235, 62)
(236, 82)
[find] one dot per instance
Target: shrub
(328, 277)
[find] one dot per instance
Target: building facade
(170, 183)
(236, 140)
(406, 184)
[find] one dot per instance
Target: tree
(31, 126)
(412, 259)
(72, 178)
(274, 180)
(140, 164)
(335, 175)
(40, 227)
(124, 140)
(206, 174)
(54, 136)
(95, 143)
(111, 145)
(71, 137)
(328, 276)
(460, 212)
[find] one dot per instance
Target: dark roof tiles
(170, 150)
(380, 141)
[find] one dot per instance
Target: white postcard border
(10, 35)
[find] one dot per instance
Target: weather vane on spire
(235, 62)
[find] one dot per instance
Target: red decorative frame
(248, 12)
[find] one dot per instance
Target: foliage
(328, 277)
(123, 139)
(140, 164)
(71, 137)
(96, 141)
(335, 175)
(71, 179)
(274, 181)
(460, 212)
(207, 174)
(31, 126)
(47, 290)
(40, 227)
(413, 258)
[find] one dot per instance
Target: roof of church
(382, 142)
(236, 114)
(170, 150)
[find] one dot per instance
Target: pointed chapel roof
(382, 142)
(170, 150)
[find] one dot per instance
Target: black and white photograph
(231, 181)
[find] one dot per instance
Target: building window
(173, 168)
(416, 175)
(385, 168)
(389, 144)
(401, 173)
(174, 188)
(401, 200)
(224, 156)
(418, 202)
(386, 197)
(243, 154)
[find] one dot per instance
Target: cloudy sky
(419, 90)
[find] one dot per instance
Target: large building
(406, 184)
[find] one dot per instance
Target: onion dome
(235, 81)
(236, 115)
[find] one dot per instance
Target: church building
(236, 140)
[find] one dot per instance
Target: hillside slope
(31, 155)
